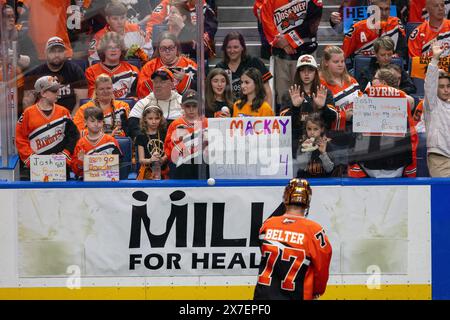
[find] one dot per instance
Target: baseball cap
(306, 60)
(46, 83)
(55, 41)
(163, 73)
(190, 96)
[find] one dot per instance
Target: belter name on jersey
(47, 136)
(290, 15)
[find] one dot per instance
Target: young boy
(95, 142)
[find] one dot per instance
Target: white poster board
(104, 167)
(250, 148)
(380, 115)
(48, 168)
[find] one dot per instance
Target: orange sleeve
(168, 143)
(321, 257)
(414, 46)
(145, 86)
(348, 45)
(78, 119)
(22, 142)
(157, 17)
(269, 27)
(90, 77)
(266, 110)
(77, 163)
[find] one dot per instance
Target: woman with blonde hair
(115, 112)
(343, 86)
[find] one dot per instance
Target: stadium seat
(83, 101)
(422, 167)
(131, 102)
(410, 26)
(83, 64)
(419, 83)
(361, 62)
(126, 166)
(157, 30)
(135, 62)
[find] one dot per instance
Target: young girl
(150, 144)
(313, 159)
(307, 96)
(218, 94)
(252, 103)
(345, 88)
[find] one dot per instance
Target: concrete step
(244, 13)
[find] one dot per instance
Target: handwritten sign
(48, 168)
(104, 167)
(352, 15)
(380, 115)
(250, 148)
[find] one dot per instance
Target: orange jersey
(182, 142)
(38, 133)
(47, 18)
(343, 99)
(419, 42)
(124, 78)
(294, 19)
(121, 112)
(296, 256)
(360, 38)
(105, 145)
(145, 84)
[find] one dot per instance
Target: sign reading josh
(250, 148)
(48, 168)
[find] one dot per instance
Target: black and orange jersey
(343, 99)
(124, 78)
(145, 84)
(183, 138)
(361, 36)
(420, 39)
(39, 133)
(104, 145)
(296, 256)
(296, 20)
(120, 109)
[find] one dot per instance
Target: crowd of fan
(89, 75)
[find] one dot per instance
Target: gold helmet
(297, 192)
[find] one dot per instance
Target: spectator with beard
(69, 75)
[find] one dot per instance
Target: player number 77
(287, 253)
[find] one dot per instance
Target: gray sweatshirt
(436, 114)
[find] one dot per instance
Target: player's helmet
(297, 192)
